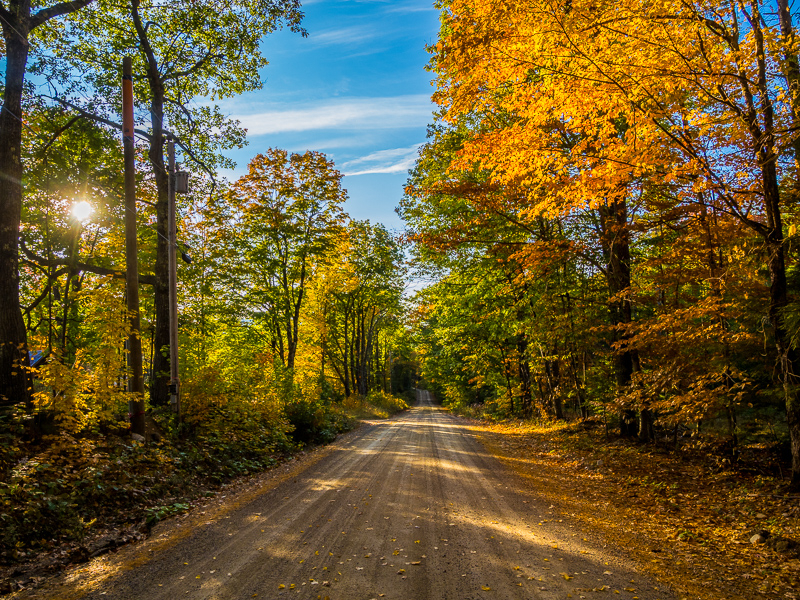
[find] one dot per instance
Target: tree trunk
(15, 381)
(615, 242)
(159, 383)
(160, 379)
(777, 268)
(524, 371)
(17, 23)
(553, 376)
(778, 290)
(646, 431)
(294, 333)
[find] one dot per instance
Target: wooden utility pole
(136, 379)
(174, 384)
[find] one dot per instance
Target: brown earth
(684, 518)
(408, 508)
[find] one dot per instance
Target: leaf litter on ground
(678, 516)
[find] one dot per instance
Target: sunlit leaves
(287, 215)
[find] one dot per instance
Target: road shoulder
(663, 528)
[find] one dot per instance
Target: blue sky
(356, 89)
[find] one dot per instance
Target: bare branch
(63, 8)
(80, 266)
(97, 118)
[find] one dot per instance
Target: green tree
(363, 285)
(288, 214)
(183, 50)
(20, 18)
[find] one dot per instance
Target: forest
(290, 313)
(602, 230)
(606, 210)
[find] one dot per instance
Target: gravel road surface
(408, 508)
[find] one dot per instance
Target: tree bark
(17, 23)
(524, 371)
(615, 242)
(15, 382)
(160, 378)
(790, 361)
(553, 377)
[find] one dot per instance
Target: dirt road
(409, 508)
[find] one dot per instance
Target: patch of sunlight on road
(540, 542)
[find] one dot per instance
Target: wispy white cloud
(350, 113)
(412, 7)
(344, 35)
(336, 143)
(394, 160)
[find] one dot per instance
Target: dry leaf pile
(679, 518)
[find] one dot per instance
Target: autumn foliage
(620, 181)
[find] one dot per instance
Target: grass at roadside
(680, 516)
(377, 405)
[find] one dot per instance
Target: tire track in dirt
(408, 508)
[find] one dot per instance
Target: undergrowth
(64, 487)
(378, 405)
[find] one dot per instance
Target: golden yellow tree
(584, 103)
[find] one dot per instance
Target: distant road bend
(408, 508)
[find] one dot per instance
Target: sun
(82, 211)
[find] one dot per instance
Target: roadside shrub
(377, 404)
(66, 484)
(388, 402)
(311, 421)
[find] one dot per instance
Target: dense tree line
(285, 304)
(607, 206)
(290, 314)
